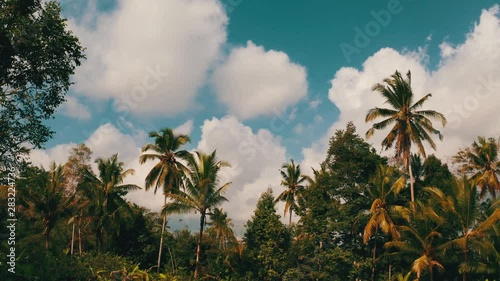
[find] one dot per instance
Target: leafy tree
(436, 174)
(410, 125)
(37, 57)
(168, 173)
(351, 163)
(327, 242)
(105, 193)
(202, 193)
(482, 161)
(292, 180)
(74, 170)
(267, 241)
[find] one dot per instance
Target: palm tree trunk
(465, 260)
(161, 237)
(172, 260)
(411, 179)
(198, 250)
(47, 237)
(390, 272)
(290, 221)
(374, 253)
(79, 236)
(72, 238)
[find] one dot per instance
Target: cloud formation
(254, 82)
(150, 57)
(465, 87)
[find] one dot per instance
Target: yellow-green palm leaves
(293, 181)
(481, 160)
(168, 172)
(202, 192)
(462, 207)
(409, 124)
(221, 228)
(386, 182)
(420, 238)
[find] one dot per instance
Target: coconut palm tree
(420, 238)
(105, 193)
(293, 181)
(202, 193)
(168, 172)
(221, 227)
(409, 124)
(463, 207)
(482, 161)
(385, 183)
(45, 196)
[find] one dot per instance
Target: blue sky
(261, 80)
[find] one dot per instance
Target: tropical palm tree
(385, 183)
(168, 172)
(202, 193)
(463, 207)
(45, 196)
(410, 125)
(105, 193)
(401, 277)
(221, 228)
(482, 161)
(420, 238)
(293, 181)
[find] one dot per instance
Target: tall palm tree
(385, 183)
(168, 172)
(105, 193)
(46, 197)
(482, 161)
(409, 124)
(463, 207)
(293, 181)
(202, 193)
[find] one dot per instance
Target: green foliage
(410, 124)
(354, 223)
(482, 161)
(267, 242)
(293, 181)
(201, 193)
(37, 57)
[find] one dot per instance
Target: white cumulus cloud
(465, 88)
(254, 82)
(151, 57)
